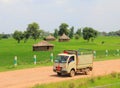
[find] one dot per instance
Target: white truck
(72, 61)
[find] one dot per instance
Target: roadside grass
(9, 48)
(24, 66)
(109, 81)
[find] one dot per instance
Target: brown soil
(29, 77)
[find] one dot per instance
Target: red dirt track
(29, 77)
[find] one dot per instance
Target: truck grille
(58, 68)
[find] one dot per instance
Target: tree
(89, 33)
(18, 35)
(42, 34)
(36, 34)
(63, 28)
(118, 32)
(33, 30)
(79, 32)
(55, 33)
(0, 36)
(71, 32)
(26, 36)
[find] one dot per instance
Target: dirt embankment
(28, 77)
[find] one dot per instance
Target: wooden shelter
(50, 38)
(64, 38)
(43, 46)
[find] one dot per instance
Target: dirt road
(29, 77)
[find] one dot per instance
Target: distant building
(43, 46)
(64, 38)
(50, 38)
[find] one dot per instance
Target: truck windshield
(61, 59)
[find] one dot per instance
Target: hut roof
(64, 37)
(50, 37)
(43, 43)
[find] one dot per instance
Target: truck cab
(64, 62)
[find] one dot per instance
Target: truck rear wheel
(72, 73)
(59, 74)
(87, 71)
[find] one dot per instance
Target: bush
(114, 74)
(92, 80)
(71, 85)
(77, 36)
(102, 42)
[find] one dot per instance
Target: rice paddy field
(9, 48)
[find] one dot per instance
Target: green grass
(9, 48)
(109, 81)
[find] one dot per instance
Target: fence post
(51, 57)
(34, 59)
(117, 52)
(94, 53)
(15, 61)
(106, 52)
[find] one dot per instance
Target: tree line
(87, 33)
(33, 31)
(112, 33)
(4, 36)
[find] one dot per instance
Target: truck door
(71, 63)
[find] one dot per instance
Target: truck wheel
(72, 73)
(59, 74)
(87, 71)
(91, 68)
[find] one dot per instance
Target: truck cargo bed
(84, 61)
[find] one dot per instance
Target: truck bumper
(63, 71)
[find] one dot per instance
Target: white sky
(102, 15)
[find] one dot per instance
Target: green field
(109, 81)
(10, 48)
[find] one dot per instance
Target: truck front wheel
(59, 74)
(72, 73)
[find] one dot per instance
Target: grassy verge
(25, 66)
(109, 81)
(43, 63)
(9, 48)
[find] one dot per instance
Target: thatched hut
(50, 38)
(64, 38)
(43, 46)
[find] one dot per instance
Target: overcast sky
(102, 15)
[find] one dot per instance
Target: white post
(15, 61)
(117, 52)
(51, 57)
(94, 53)
(34, 59)
(106, 52)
